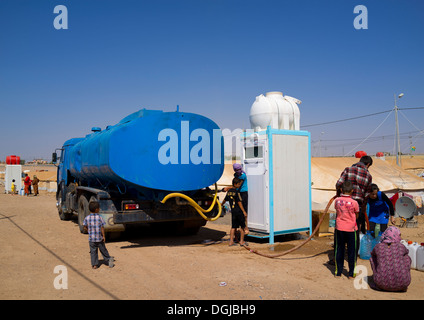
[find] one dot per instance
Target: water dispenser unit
(276, 157)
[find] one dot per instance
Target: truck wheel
(60, 196)
(59, 205)
(59, 199)
(83, 211)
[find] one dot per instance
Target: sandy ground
(154, 265)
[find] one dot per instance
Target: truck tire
(83, 211)
(60, 196)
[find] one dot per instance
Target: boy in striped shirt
(94, 225)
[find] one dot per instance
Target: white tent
(389, 177)
(385, 173)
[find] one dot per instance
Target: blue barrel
(172, 151)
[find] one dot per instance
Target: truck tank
(146, 156)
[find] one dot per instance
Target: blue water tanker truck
(130, 167)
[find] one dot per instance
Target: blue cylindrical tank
(172, 151)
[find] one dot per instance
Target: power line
(402, 135)
(371, 139)
(415, 108)
(348, 119)
(370, 133)
(358, 117)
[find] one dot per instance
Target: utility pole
(397, 132)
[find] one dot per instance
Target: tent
(386, 174)
(389, 177)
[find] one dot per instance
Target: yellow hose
(198, 208)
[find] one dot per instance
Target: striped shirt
(94, 223)
(361, 179)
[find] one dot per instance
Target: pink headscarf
(238, 169)
(391, 235)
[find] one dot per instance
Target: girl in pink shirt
(347, 211)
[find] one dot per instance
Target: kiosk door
(255, 167)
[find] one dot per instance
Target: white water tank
(275, 110)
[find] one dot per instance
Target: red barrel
(360, 154)
(380, 154)
(13, 160)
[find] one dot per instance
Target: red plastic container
(360, 154)
(13, 160)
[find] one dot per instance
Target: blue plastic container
(376, 240)
(367, 243)
(332, 220)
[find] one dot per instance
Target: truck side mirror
(54, 157)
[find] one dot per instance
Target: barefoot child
(239, 173)
(238, 213)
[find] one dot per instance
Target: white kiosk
(13, 172)
(276, 157)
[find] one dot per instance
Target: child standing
(94, 224)
(347, 211)
(13, 186)
(238, 213)
(239, 173)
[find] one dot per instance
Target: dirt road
(151, 265)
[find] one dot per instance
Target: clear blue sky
(209, 57)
